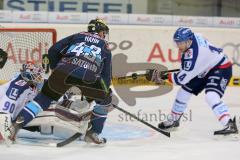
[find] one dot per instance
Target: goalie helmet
(32, 73)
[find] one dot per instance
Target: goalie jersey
(14, 95)
(198, 60)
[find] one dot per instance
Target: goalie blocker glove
(3, 58)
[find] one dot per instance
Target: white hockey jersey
(14, 95)
(198, 60)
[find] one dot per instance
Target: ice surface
(131, 140)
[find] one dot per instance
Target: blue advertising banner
(103, 6)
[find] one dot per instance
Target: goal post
(25, 44)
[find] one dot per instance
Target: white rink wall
(193, 140)
(152, 44)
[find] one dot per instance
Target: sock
(218, 107)
(180, 104)
(99, 117)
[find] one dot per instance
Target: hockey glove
(156, 76)
(3, 58)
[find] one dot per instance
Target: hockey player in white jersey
(203, 66)
(16, 93)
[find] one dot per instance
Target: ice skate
(92, 137)
(231, 128)
(169, 125)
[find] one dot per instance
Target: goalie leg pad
(5, 123)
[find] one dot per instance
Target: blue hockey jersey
(87, 51)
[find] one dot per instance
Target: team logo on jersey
(13, 94)
(188, 54)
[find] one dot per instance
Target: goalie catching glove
(156, 76)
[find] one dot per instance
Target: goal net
(22, 45)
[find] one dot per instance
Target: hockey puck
(134, 76)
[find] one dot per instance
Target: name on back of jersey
(91, 39)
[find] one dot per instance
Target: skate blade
(94, 145)
(174, 129)
(89, 142)
(229, 137)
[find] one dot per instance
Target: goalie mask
(99, 26)
(32, 73)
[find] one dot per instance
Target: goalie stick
(52, 144)
(136, 75)
(69, 140)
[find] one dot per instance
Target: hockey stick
(135, 75)
(69, 140)
(142, 121)
(36, 142)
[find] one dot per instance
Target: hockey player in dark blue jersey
(81, 60)
(203, 66)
